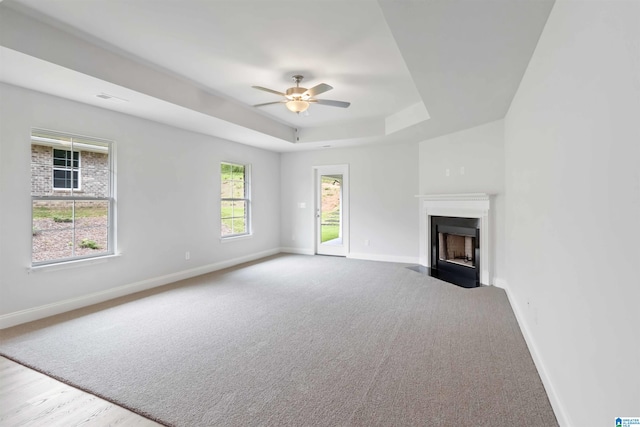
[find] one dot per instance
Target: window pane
(238, 190)
(95, 174)
(49, 245)
(239, 217)
(239, 209)
(92, 227)
(226, 227)
(239, 226)
(91, 240)
(91, 213)
(41, 171)
(226, 190)
(52, 230)
(52, 214)
(225, 171)
(59, 162)
(238, 172)
(233, 217)
(60, 158)
(63, 178)
(226, 209)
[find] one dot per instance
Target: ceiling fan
(297, 99)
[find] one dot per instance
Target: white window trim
(111, 252)
(247, 199)
(74, 263)
(235, 237)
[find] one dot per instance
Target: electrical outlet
(447, 172)
(367, 242)
(461, 170)
(187, 255)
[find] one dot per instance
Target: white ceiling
(412, 70)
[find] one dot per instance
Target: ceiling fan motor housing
(296, 93)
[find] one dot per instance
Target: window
(69, 220)
(234, 200)
(66, 168)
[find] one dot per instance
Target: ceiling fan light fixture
(297, 106)
(297, 99)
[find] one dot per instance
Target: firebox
(455, 250)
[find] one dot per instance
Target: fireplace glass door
(455, 250)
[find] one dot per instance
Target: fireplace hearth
(455, 250)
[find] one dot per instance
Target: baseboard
(299, 251)
(36, 313)
(558, 408)
(384, 258)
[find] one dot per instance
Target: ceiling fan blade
(331, 102)
(268, 90)
(318, 89)
(270, 103)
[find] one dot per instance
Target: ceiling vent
(111, 97)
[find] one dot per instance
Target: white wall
(167, 202)
(480, 151)
(573, 209)
(383, 208)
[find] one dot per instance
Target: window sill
(71, 264)
(235, 238)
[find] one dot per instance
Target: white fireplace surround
(468, 205)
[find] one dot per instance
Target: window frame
(71, 169)
(246, 199)
(76, 195)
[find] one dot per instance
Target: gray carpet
(300, 341)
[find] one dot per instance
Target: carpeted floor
(298, 340)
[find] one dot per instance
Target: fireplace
(466, 224)
(455, 250)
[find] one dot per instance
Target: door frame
(342, 169)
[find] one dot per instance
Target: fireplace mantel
(465, 205)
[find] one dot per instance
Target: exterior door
(332, 210)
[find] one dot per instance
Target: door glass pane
(330, 199)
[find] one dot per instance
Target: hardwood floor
(29, 398)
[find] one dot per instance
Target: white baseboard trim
(299, 251)
(36, 313)
(384, 258)
(558, 407)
